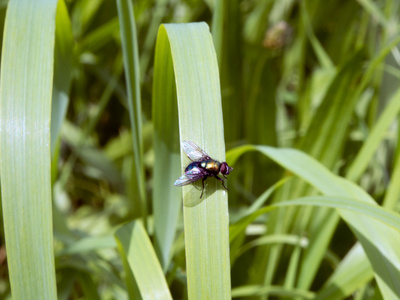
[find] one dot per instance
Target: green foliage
(26, 81)
(197, 88)
(304, 94)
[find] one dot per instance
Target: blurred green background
(318, 76)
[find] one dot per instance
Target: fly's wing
(189, 177)
(194, 152)
(185, 180)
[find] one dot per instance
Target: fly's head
(225, 169)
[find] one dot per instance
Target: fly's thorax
(211, 165)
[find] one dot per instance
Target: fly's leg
(219, 178)
(202, 191)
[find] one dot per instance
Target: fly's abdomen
(211, 166)
(191, 166)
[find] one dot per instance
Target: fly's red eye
(225, 169)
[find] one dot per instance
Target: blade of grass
(83, 15)
(351, 274)
(25, 110)
(280, 292)
(80, 141)
(354, 270)
(255, 24)
(372, 210)
(131, 285)
(62, 71)
(226, 32)
(374, 139)
(166, 152)
(324, 139)
(381, 214)
(288, 239)
(131, 64)
(321, 222)
(259, 202)
(260, 120)
(323, 58)
(159, 11)
(374, 11)
(63, 50)
(217, 28)
(88, 244)
(393, 190)
(135, 246)
(198, 92)
(325, 136)
(378, 240)
(99, 37)
(323, 229)
(89, 153)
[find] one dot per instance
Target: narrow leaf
(62, 70)
(280, 292)
(25, 109)
(131, 64)
(379, 240)
(374, 139)
(135, 246)
(167, 167)
(198, 93)
(351, 274)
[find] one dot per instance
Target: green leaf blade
(131, 65)
(200, 120)
(379, 240)
(135, 246)
(62, 71)
(166, 207)
(26, 92)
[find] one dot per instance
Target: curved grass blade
(63, 50)
(289, 239)
(375, 12)
(198, 93)
(378, 240)
(226, 32)
(25, 109)
(374, 211)
(352, 273)
(135, 246)
(374, 139)
(280, 292)
(131, 64)
(159, 12)
(166, 152)
(73, 136)
(321, 54)
(99, 37)
(62, 70)
(259, 202)
(323, 139)
(354, 270)
(83, 15)
(393, 190)
(88, 244)
(322, 231)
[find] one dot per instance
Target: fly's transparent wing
(189, 177)
(194, 152)
(185, 180)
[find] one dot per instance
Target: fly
(201, 167)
